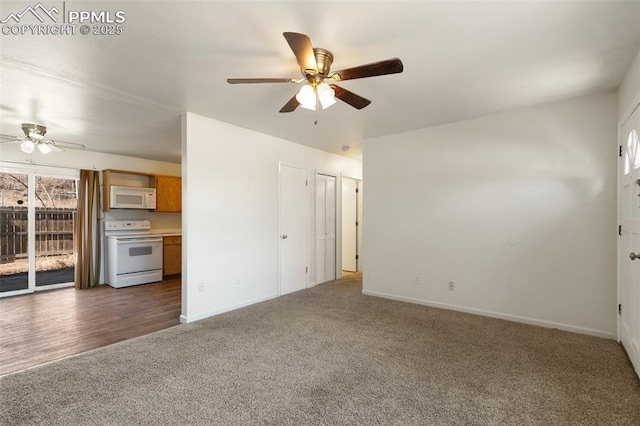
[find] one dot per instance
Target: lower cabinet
(172, 256)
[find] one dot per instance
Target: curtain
(87, 240)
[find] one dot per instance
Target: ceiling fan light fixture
(45, 148)
(327, 101)
(36, 136)
(307, 97)
(326, 95)
(27, 146)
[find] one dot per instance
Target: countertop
(166, 232)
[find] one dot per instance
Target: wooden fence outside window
(54, 232)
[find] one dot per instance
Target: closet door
(325, 228)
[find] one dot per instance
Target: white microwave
(128, 197)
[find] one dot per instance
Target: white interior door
(325, 228)
(293, 229)
(629, 252)
(349, 225)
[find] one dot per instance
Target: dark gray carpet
(330, 355)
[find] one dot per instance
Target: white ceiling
(124, 94)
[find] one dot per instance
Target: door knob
(284, 237)
(634, 256)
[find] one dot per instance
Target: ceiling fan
(320, 87)
(34, 136)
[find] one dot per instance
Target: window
(632, 154)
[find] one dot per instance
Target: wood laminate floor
(43, 327)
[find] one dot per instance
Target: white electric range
(134, 255)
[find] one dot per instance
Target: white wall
(630, 88)
(230, 212)
(517, 209)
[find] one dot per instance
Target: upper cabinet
(168, 188)
(168, 193)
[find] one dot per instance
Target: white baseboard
(191, 318)
(508, 317)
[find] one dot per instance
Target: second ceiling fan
(320, 88)
(34, 137)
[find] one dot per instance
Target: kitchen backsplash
(158, 220)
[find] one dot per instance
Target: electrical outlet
(200, 287)
(237, 284)
(416, 280)
(452, 286)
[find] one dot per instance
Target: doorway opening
(351, 229)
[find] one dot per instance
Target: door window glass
(56, 202)
(632, 156)
(14, 228)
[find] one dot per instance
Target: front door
(293, 229)
(629, 249)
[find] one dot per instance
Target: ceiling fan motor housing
(29, 128)
(324, 59)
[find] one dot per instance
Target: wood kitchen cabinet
(168, 188)
(168, 193)
(171, 256)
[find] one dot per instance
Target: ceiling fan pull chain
(317, 106)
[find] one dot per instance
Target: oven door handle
(140, 240)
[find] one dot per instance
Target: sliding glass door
(56, 208)
(14, 232)
(38, 209)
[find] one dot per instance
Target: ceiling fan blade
(54, 147)
(302, 48)
(47, 147)
(9, 138)
(68, 145)
(351, 98)
(291, 105)
(259, 80)
(390, 66)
